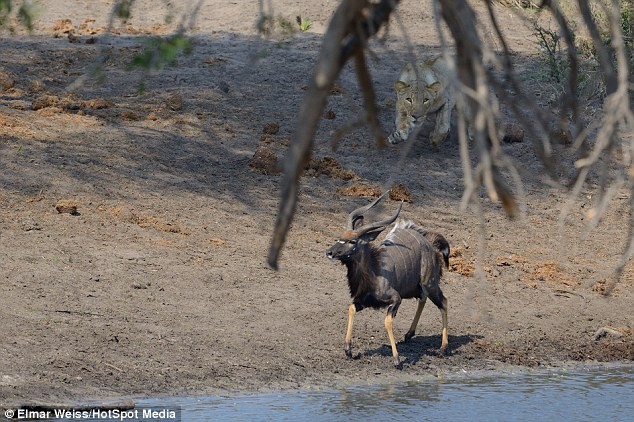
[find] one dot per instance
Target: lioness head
(413, 101)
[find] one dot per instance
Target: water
(606, 395)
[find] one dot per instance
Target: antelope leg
(412, 328)
(390, 333)
(445, 340)
(352, 309)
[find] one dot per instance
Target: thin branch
(369, 99)
(341, 41)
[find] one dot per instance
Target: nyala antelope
(407, 264)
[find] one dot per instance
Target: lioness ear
(400, 86)
(435, 87)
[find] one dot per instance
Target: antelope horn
(358, 213)
(381, 224)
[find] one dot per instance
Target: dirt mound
(264, 161)
(399, 192)
(271, 128)
(69, 102)
(328, 166)
(68, 206)
(458, 263)
(360, 190)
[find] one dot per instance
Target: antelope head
(357, 236)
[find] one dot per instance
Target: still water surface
(599, 395)
(590, 395)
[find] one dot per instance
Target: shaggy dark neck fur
(362, 269)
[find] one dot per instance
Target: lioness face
(413, 102)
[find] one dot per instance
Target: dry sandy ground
(157, 284)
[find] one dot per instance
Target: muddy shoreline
(156, 284)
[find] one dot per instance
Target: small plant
(160, 52)
(304, 23)
(265, 25)
(550, 43)
(288, 30)
(25, 14)
(268, 26)
(627, 26)
(123, 9)
(5, 9)
(626, 21)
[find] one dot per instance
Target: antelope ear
(357, 222)
(370, 236)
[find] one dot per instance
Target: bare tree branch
(369, 99)
(347, 32)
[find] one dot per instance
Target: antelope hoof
(409, 335)
(348, 349)
(443, 350)
(397, 363)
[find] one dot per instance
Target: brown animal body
(407, 264)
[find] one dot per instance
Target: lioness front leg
(443, 123)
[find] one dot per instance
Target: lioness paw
(394, 139)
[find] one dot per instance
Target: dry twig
(354, 22)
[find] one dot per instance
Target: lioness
(416, 98)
